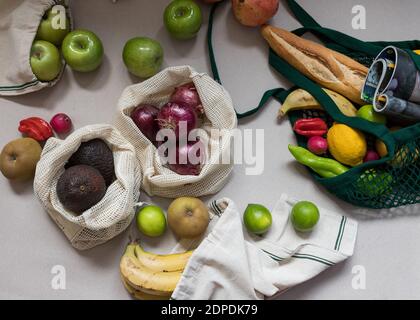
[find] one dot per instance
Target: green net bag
(392, 181)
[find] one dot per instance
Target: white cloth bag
(231, 264)
(157, 179)
(19, 21)
(114, 212)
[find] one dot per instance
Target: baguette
(327, 67)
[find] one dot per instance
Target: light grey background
(31, 244)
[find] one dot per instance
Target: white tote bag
(114, 212)
(19, 21)
(219, 114)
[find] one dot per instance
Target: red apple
(254, 13)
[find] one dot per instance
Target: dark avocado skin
(97, 154)
(80, 187)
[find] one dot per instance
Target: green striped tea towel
(232, 264)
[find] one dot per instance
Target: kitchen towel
(232, 264)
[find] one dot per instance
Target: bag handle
(278, 93)
(333, 37)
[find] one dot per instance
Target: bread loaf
(327, 67)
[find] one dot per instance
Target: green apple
(151, 221)
(368, 113)
(48, 31)
(183, 19)
(143, 56)
(45, 60)
(257, 219)
(304, 216)
(82, 50)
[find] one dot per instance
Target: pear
(18, 159)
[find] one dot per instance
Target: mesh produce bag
(114, 212)
(19, 24)
(219, 114)
(392, 181)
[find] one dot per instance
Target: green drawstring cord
(280, 94)
(213, 65)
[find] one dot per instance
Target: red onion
(187, 95)
(61, 123)
(371, 156)
(189, 159)
(318, 145)
(173, 116)
(144, 116)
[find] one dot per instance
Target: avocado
(80, 187)
(97, 154)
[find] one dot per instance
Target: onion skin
(187, 95)
(144, 116)
(61, 123)
(172, 114)
(318, 145)
(194, 154)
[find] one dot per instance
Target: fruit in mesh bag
(374, 183)
(347, 145)
(95, 153)
(80, 187)
(405, 155)
(300, 99)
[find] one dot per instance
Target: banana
(144, 279)
(165, 263)
(300, 99)
(140, 295)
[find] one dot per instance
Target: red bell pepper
(312, 127)
(36, 128)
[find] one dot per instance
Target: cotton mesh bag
(19, 21)
(157, 179)
(114, 212)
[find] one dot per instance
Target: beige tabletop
(31, 245)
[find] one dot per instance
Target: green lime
(368, 113)
(304, 216)
(151, 221)
(257, 218)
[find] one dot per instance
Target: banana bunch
(148, 276)
(300, 99)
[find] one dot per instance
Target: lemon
(381, 148)
(347, 145)
(380, 145)
(417, 51)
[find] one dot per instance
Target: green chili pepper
(325, 167)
